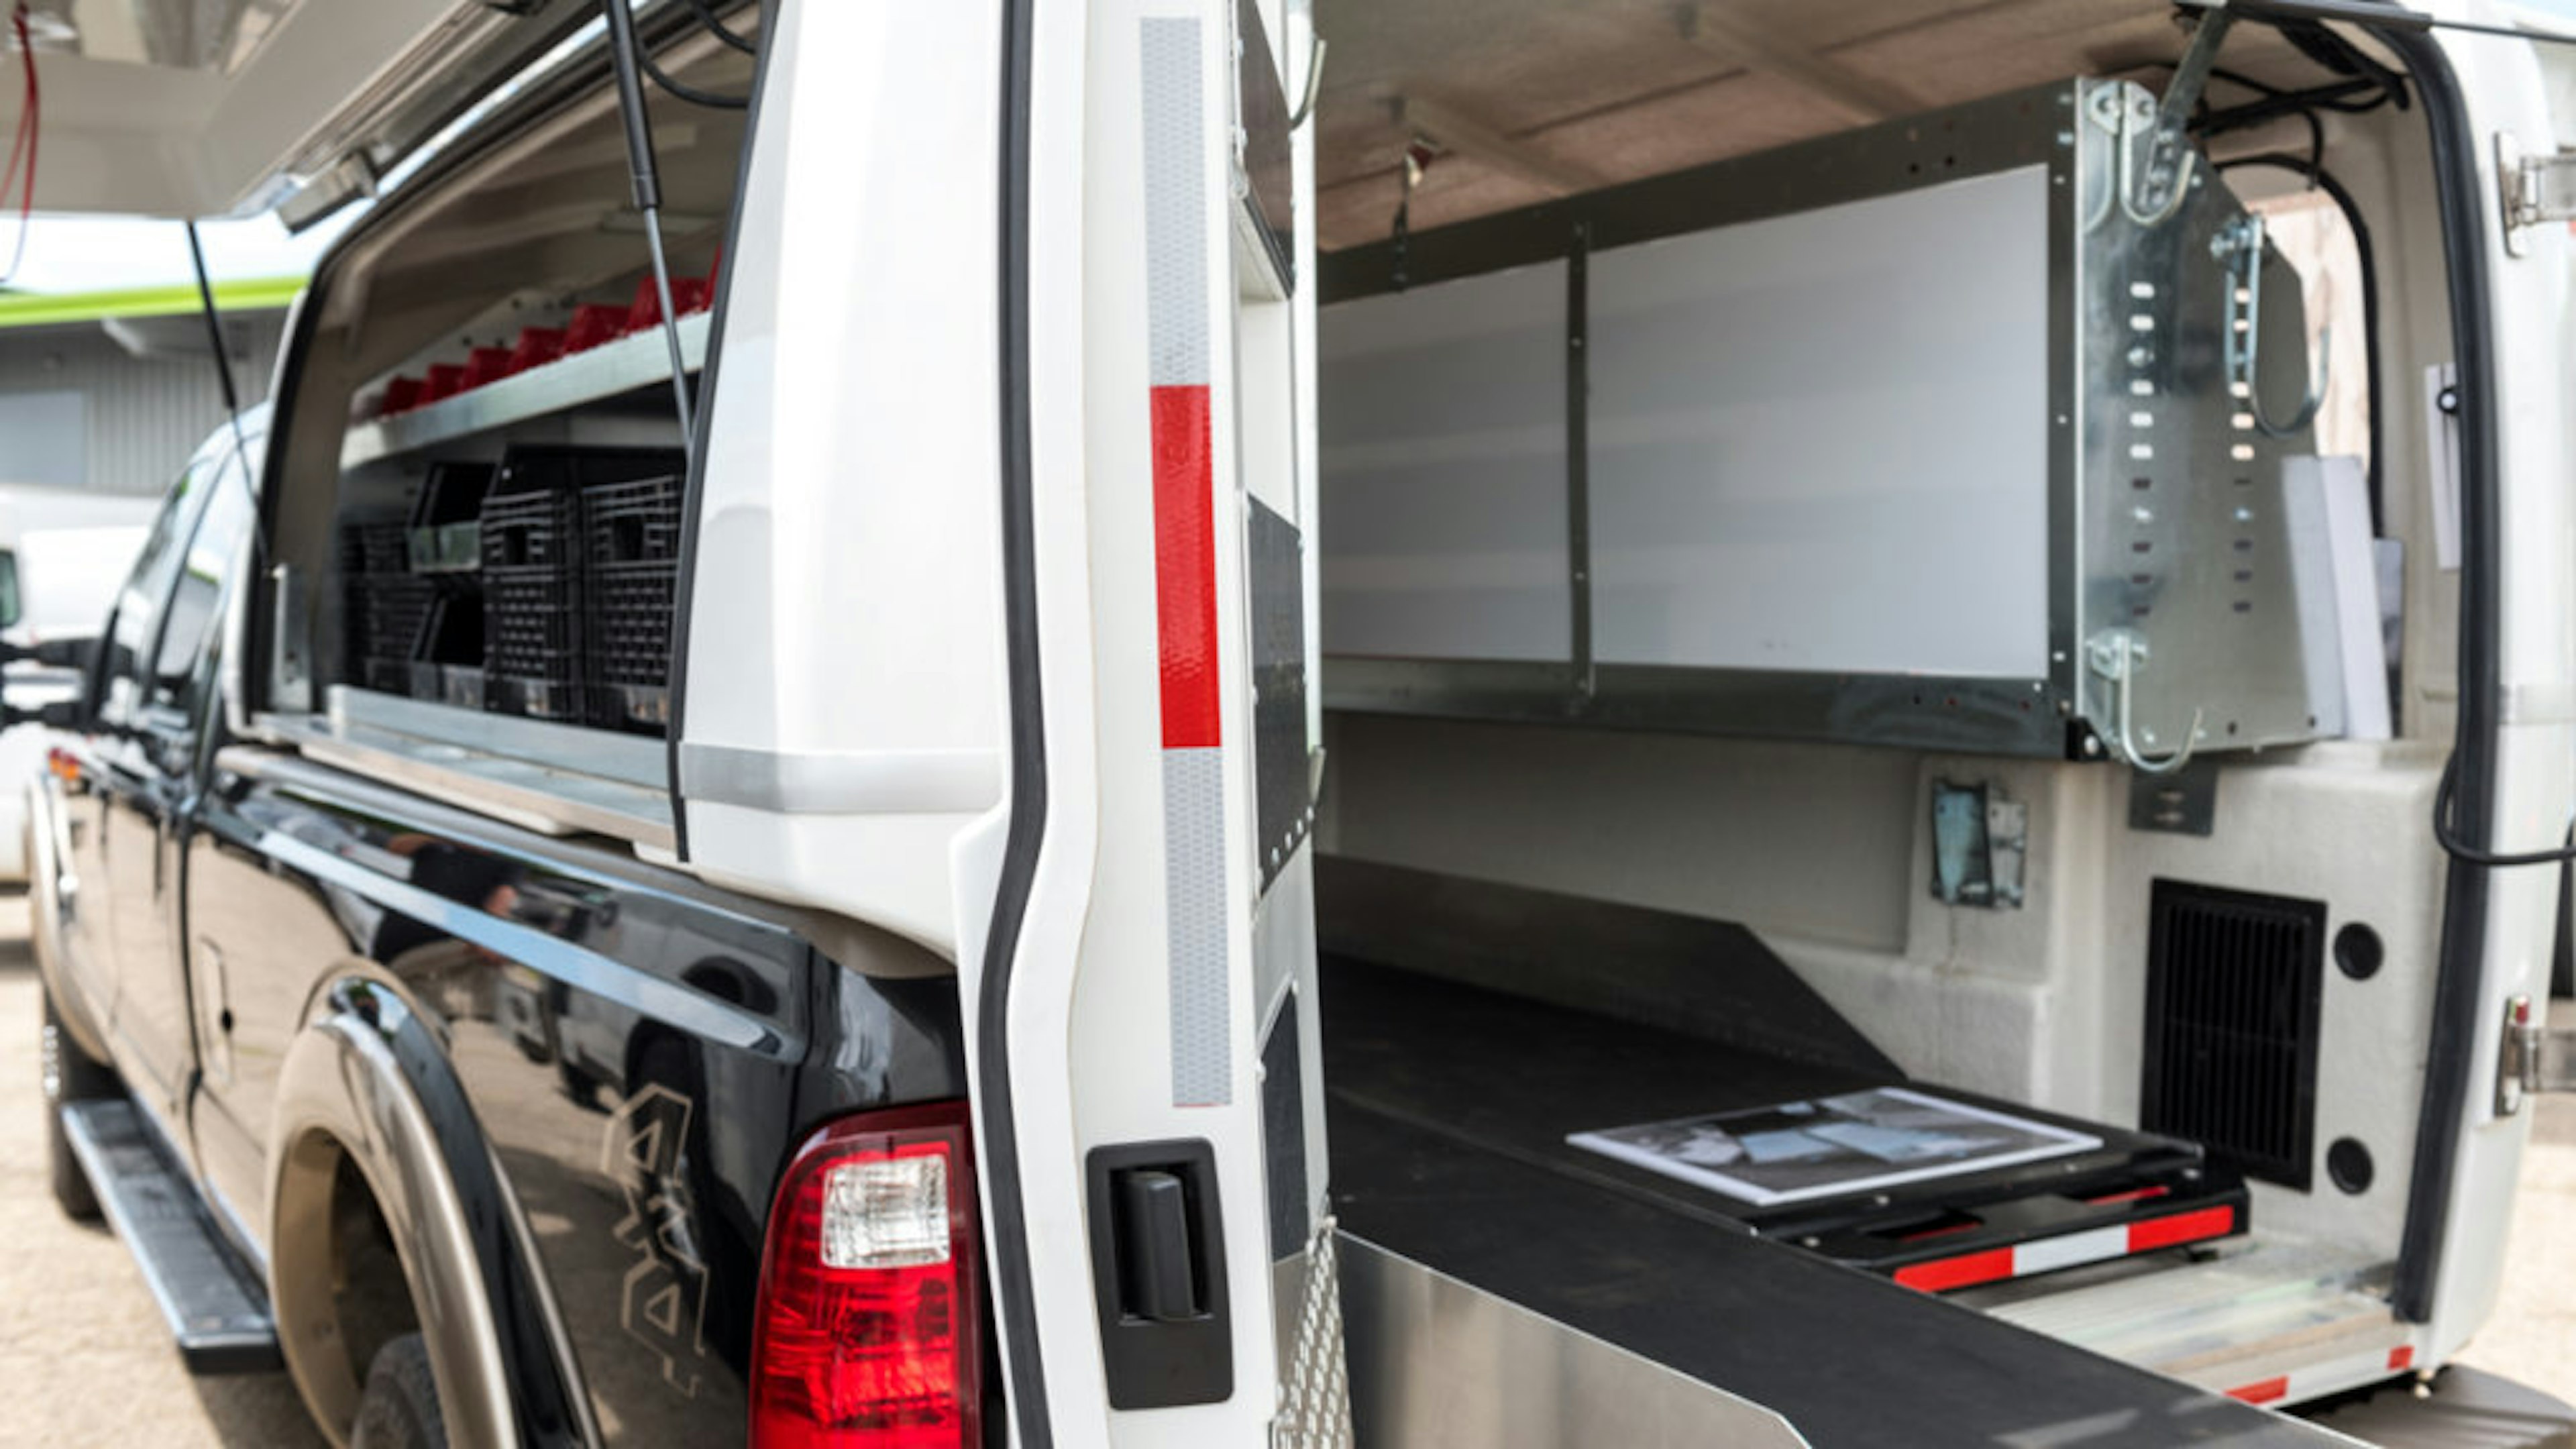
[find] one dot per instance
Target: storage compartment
(1946, 433)
(488, 374)
(1832, 641)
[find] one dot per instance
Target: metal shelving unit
(637, 360)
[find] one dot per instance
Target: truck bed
(1448, 1108)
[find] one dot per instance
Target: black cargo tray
(1516, 1072)
(1450, 1102)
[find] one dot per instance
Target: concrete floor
(85, 1362)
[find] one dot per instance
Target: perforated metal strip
(1315, 1398)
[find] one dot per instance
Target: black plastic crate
(539, 530)
(627, 641)
(560, 468)
(634, 522)
(377, 549)
(631, 563)
(396, 613)
(532, 604)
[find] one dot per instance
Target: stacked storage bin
(633, 568)
(569, 616)
(385, 606)
(444, 544)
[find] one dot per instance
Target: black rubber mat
(1513, 1076)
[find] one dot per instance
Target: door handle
(1158, 1274)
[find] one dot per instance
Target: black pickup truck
(392, 1057)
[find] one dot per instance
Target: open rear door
(184, 109)
(1145, 1014)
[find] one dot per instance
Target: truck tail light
(870, 1331)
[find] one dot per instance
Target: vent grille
(2233, 987)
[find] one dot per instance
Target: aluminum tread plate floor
(2282, 1303)
(1852, 1360)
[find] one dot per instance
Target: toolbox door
(1143, 1006)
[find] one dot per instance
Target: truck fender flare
(48, 901)
(352, 1089)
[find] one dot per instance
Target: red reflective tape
(2401, 1358)
(2135, 1194)
(2267, 1392)
(1943, 1274)
(2191, 1227)
(1185, 566)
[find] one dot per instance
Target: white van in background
(63, 552)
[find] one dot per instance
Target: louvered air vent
(2233, 982)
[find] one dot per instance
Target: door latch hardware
(1158, 1273)
(1979, 841)
(2531, 1057)
(2117, 655)
(2533, 190)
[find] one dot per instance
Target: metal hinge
(2532, 190)
(2531, 1058)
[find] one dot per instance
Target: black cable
(688, 92)
(713, 25)
(2325, 181)
(2461, 850)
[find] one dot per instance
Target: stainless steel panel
(1438, 1364)
(634, 759)
(547, 778)
(2183, 500)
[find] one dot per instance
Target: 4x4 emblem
(665, 1295)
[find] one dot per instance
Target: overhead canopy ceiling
(1522, 100)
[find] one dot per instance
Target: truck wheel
(399, 1409)
(69, 1076)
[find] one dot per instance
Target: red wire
(22, 146)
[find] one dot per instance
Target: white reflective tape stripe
(2090, 1246)
(1176, 261)
(1194, 886)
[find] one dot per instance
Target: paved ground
(84, 1360)
(85, 1363)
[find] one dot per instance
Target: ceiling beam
(1463, 134)
(1722, 29)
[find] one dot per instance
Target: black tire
(70, 1075)
(399, 1409)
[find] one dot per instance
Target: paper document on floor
(1857, 1142)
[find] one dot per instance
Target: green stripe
(35, 309)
